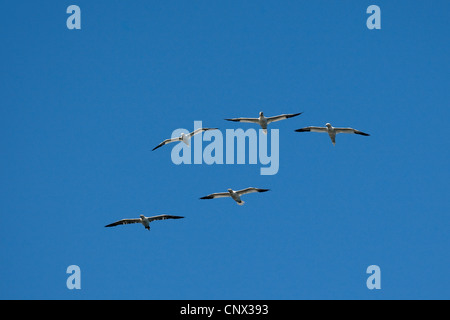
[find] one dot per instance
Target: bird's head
(261, 114)
(328, 125)
(142, 216)
(229, 190)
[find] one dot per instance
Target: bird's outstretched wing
(282, 117)
(165, 142)
(312, 129)
(201, 130)
(123, 221)
(248, 120)
(163, 217)
(250, 190)
(217, 195)
(350, 130)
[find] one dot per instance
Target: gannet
(183, 137)
(332, 131)
(144, 220)
(235, 195)
(263, 121)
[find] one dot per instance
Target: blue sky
(82, 109)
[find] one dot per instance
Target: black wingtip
(294, 115)
(303, 130)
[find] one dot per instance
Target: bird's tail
(241, 203)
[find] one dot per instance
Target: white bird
(183, 137)
(144, 220)
(263, 121)
(332, 131)
(235, 195)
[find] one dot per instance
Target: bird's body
(235, 195)
(145, 221)
(263, 121)
(183, 137)
(332, 131)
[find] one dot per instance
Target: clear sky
(80, 111)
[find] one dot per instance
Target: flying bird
(183, 137)
(263, 121)
(144, 220)
(235, 195)
(332, 132)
